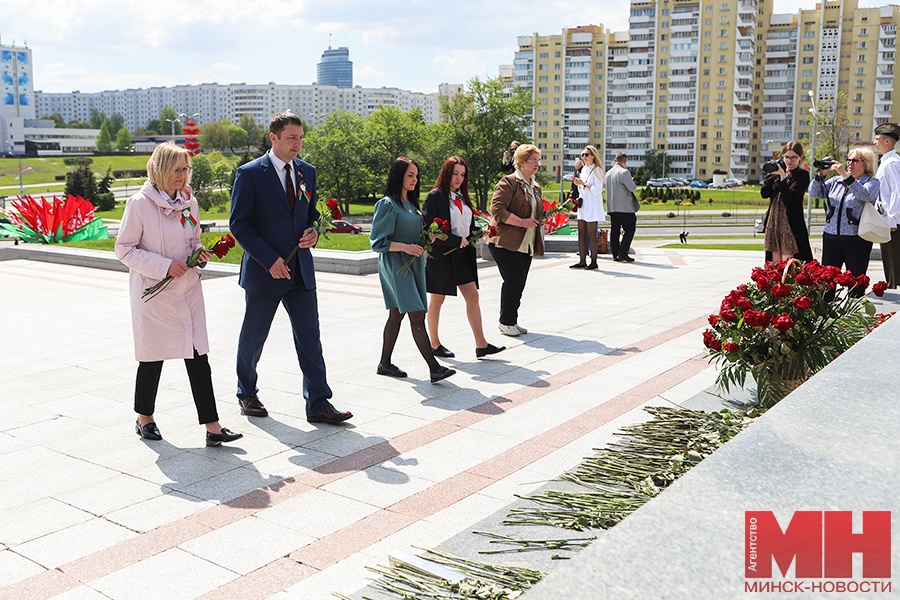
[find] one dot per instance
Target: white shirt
(459, 220)
(889, 176)
(279, 167)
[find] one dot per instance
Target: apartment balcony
(885, 70)
(882, 112)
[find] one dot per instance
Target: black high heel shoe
(216, 439)
(148, 431)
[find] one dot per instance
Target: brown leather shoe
(252, 407)
(329, 415)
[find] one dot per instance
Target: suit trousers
(620, 221)
(301, 305)
(513, 267)
(890, 257)
(200, 376)
(849, 250)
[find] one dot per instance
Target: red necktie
(458, 203)
(289, 187)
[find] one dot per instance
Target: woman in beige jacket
(159, 231)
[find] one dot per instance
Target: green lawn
(336, 241)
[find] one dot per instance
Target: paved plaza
(293, 510)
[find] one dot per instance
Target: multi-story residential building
(215, 102)
(717, 85)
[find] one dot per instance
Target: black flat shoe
(442, 373)
(578, 266)
(216, 439)
(442, 352)
(391, 371)
(626, 259)
(148, 431)
(487, 350)
(591, 267)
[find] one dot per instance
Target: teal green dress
(393, 223)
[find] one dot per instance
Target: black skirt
(444, 272)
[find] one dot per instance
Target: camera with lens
(822, 163)
(772, 166)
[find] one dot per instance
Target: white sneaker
(511, 330)
(520, 328)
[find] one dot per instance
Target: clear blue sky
(93, 45)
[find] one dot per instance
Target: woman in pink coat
(159, 232)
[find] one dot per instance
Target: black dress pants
(620, 221)
(849, 250)
(890, 258)
(200, 375)
(513, 267)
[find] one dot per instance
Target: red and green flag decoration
(191, 143)
(42, 222)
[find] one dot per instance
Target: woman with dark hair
(452, 264)
(516, 212)
(396, 229)
(786, 235)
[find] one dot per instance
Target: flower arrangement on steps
(787, 324)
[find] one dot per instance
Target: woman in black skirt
(445, 271)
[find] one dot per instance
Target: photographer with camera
(785, 184)
(845, 195)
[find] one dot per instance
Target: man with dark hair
(886, 136)
(622, 206)
(273, 210)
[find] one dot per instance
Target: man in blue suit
(273, 205)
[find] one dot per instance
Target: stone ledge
(833, 444)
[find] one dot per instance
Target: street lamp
(173, 121)
(815, 115)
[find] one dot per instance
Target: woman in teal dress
(396, 229)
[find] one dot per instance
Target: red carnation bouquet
(785, 325)
(437, 230)
(220, 248)
(483, 221)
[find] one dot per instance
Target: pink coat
(173, 323)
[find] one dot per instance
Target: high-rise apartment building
(717, 85)
(335, 68)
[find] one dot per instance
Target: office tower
(335, 68)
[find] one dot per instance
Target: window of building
(860, 83)
(662, 110)
(807, 72)
(707, 34)
(542, 90)
(717, 160)
(665, 12)
(556, 101)
(859, 71)
(706, 97)
(542, 134)
(664, 37)
(663, 49)
(542, 78)
(862, 31)
(556, 66)
(543, 67)
(706, 60)
(556, 78)
(707, 47)
(705, 85)
(809, 34)
(542, 113)
(808, 47)
(705, 110)
(544, 55)
(662, 98)
(723, 57)
(704, 123)
(664, 25)
(556, 89)
(723, 33)
(719, 124)
(806, 85)
(862, 45)
(720, 97)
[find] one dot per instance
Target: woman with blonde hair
(845, 196)
(159, 232)
(517, 210)
(590, 205)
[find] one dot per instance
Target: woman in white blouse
(590, 206)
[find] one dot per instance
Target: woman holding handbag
(452, 262)
(590, 206)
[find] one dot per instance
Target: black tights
(587, 234)
(420, 335)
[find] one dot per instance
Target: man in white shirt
(886, 136)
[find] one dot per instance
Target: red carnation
(802, 302)
(731, 347)
(780, 290)
(879, 288)
(782, 322)
(727, 316)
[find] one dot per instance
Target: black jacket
(440, 270)
(792, 189)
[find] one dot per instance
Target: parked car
(680, 180)
(699, 184)
(658, 183)
(345, 227)
(733, 183)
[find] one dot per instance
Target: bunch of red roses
(219, 248)
(437, 230)
(803, 315)
(483, 222)
(334, 208)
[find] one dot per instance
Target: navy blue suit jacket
(262, 223)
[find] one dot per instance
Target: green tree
(104, 143)
(201, 173)
(81, 182)
(832, 127)
(97, 118)
(123, 140)
(165, 126)
(153, 125)
(656, 163)
(338, 150)
(80, 125)
(103, 187)
(248, 124)
(482, 122)
(237, 137)
(57, 119)
(437, 146)
(214, 135)
(116, 122)
(389, 132)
